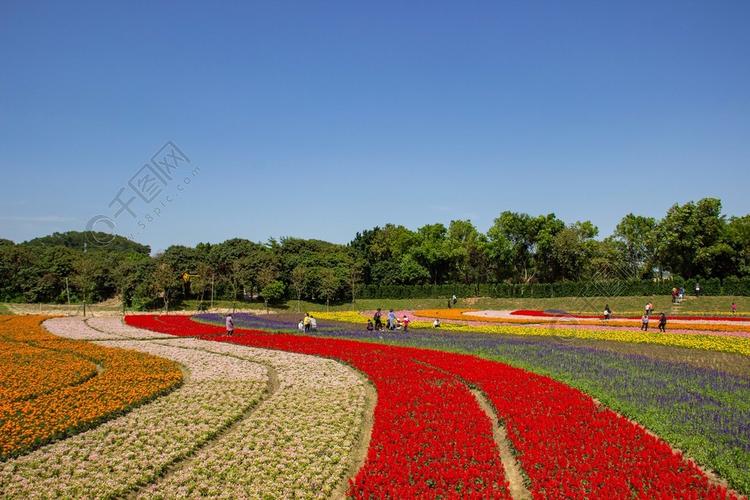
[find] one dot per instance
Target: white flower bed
(298, 442)
(115, 327)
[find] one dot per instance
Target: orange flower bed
(458, 314)
(43, 370)
(52, 387)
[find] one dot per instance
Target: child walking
(644, 322)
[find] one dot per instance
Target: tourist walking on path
(230, 325)
(663, 323)
(644, 322)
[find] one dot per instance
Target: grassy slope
(4, 309)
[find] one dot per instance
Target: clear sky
(319, 119)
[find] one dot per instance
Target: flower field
(244, 420)
(566, 443)
(429, 435)
(686, 398)
(281, 415)
(526, 317)
(70, 386)
(723, 343)
(627, 315)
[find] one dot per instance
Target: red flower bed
(546, 314)
(569, 446)
(430, 438)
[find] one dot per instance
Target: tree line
(692, 240)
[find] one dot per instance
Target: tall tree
(638, 236)
(689, 238)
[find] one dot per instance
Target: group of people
(392, 322)
(678, 294)
(308, 323)
(646, 319)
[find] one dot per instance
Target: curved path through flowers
(250, 419)
(566, 443)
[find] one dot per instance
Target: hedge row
(712, 286)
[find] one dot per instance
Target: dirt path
(513, 471)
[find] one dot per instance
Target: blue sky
(319, 119)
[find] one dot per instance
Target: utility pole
(212, 291)
(67, 290)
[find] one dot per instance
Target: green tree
(689, 239)
(738, 236)
(638, 237)
(433, 251)
(273, 292)
(330, 284)
(166, 282)
(573, 249)
(469, 252)
(298, 282)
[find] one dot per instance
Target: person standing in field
(644, 322)
(697, 289)
(377, 319)
(734, 308)
(405, 322)
(391, 322)
(229, 324)
(307, 322)
(607, 312)
(663, 323)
